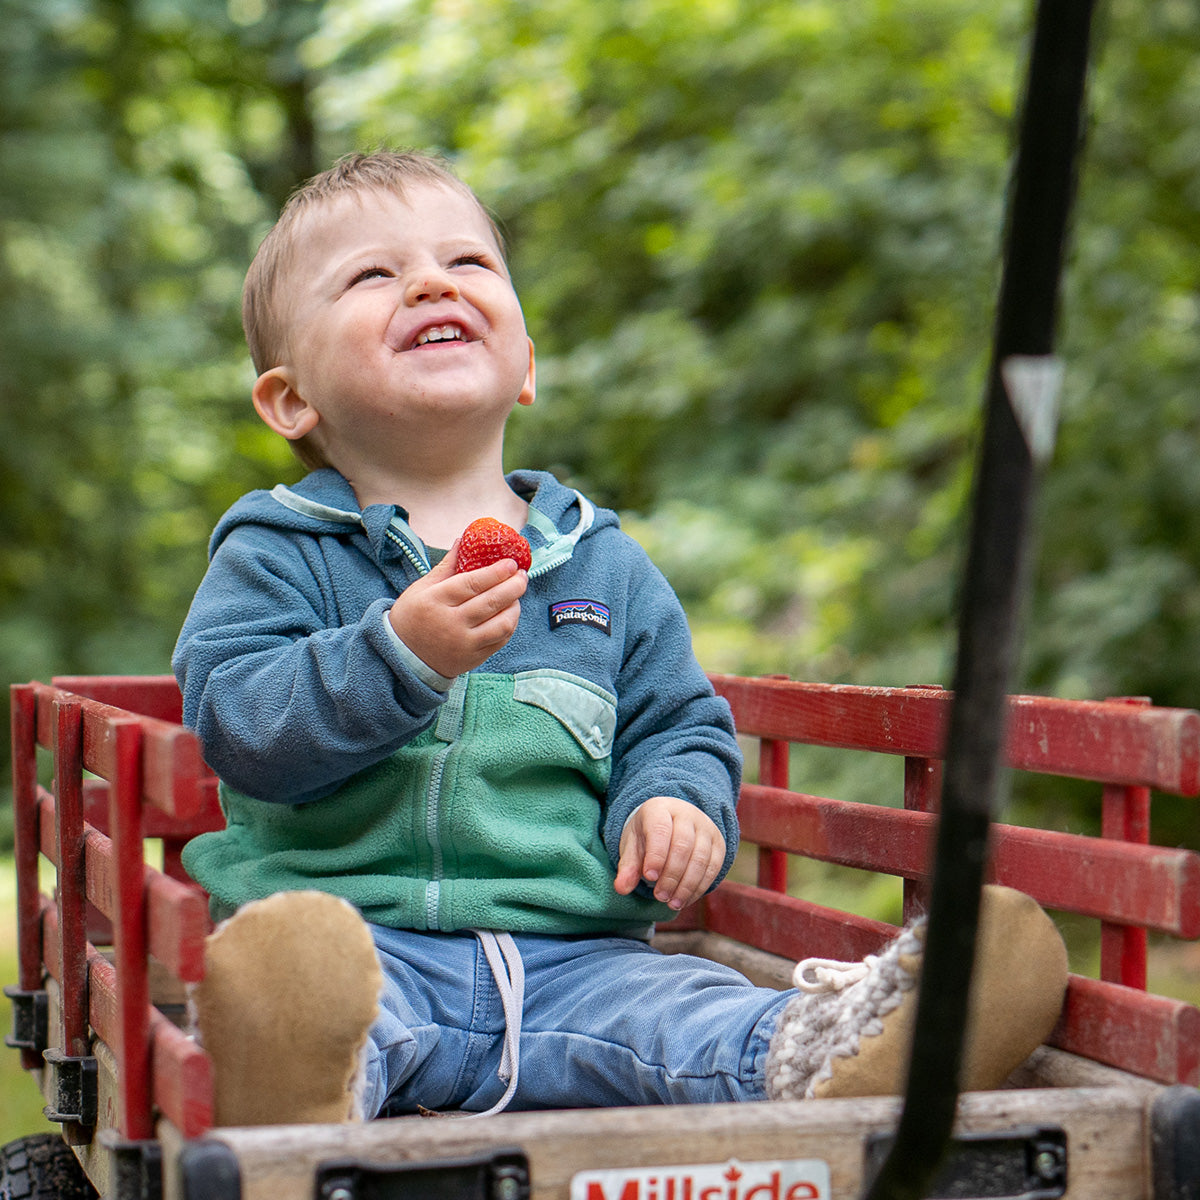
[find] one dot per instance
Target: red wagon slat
(146, 766)
(171, 766)
(789, 926)
(1104, 741)
(1153, 1036)
(182, 1072)
(146, 695)
(1154, 887)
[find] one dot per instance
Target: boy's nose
(430, 286)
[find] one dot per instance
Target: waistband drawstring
(509, 972)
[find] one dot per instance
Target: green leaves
(757, 245)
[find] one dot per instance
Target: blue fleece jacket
(494, 800)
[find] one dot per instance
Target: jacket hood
(323, 504)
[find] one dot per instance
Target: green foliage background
(757, 242)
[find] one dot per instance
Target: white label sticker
(795, 1179)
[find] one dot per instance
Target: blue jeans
(606, 1021)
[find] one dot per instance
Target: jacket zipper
(422, 567)
(449, 729)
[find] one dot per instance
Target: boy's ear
(282, 407)
(530, 389)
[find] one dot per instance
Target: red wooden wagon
(1107, 1109)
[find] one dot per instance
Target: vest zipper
(449, 729)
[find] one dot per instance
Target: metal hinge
(74, 1089)
(30, 1019)
(1027, 1163)
(502, 1175)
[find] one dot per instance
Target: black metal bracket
(1027, 1163)
(209, 1171)
(1175, 1144)
(30, 1019)
(136, 1167)
(502, 1175)
(75, 1089)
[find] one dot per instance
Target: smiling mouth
(437, 335)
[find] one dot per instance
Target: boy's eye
(470, 260)
(370, 273)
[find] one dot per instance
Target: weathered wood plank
(1105, 1129)
(1111, 743)
(1155, 887)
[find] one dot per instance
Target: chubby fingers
(691, 863)
(488, 602)
(486, 590)
(673, 846)
(455, 622)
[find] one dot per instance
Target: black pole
(1019, 424)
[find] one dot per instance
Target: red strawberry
(486, 541)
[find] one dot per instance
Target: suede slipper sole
(291, 988)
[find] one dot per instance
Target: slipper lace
(817, 975)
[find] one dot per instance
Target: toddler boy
(471, 795)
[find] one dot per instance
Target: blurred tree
(145, 148)
(757, 244)
(1119, 610)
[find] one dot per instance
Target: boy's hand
(453, 622)
(672, 845)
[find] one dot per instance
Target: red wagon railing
(144, 779)
(123, 770)
(1130, 886)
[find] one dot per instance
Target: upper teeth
(441, 333)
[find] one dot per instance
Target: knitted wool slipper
(849, 1030)
(291, 987)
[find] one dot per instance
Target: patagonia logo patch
(581, 612)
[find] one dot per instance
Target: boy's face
(400, 317)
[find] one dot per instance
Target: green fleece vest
(490, 818)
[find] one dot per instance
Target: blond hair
(380, 171)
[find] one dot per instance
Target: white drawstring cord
(509, 971)
(829, 974)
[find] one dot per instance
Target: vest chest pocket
(586, 711)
